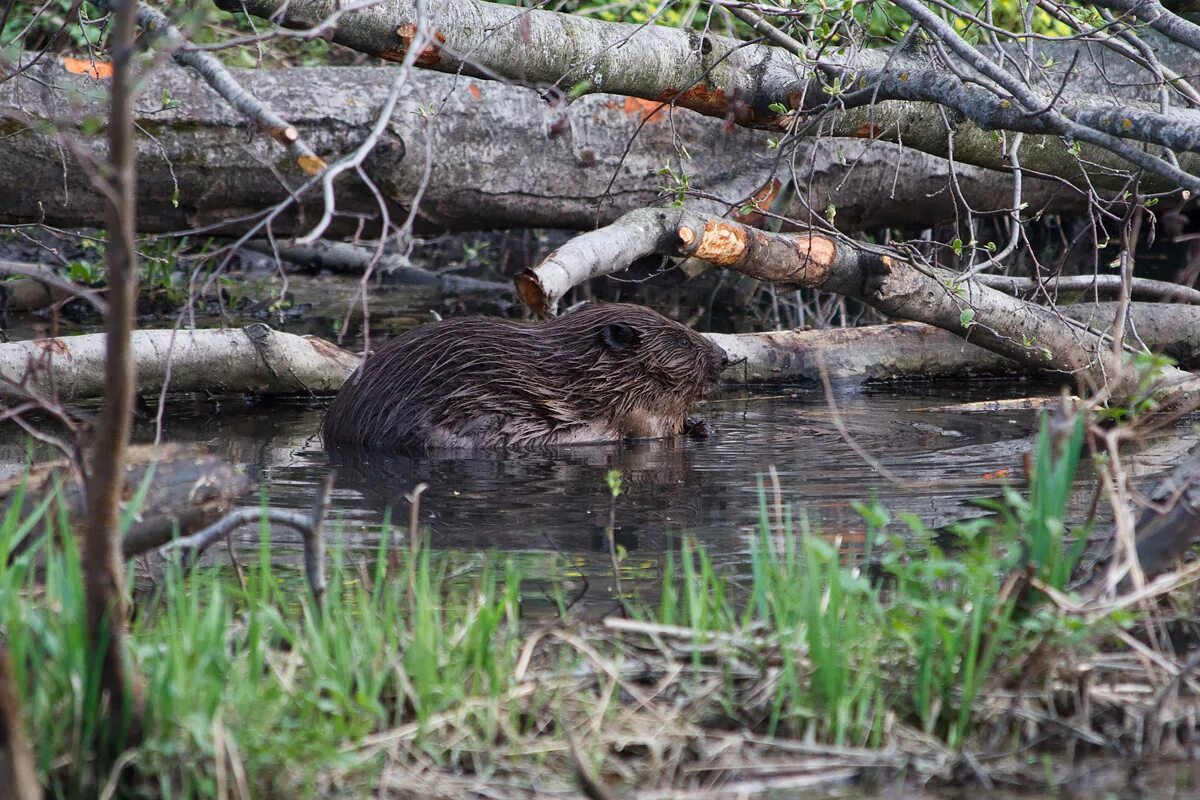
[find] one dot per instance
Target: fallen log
(344, 257)
(35, 287)
(582, 164)
(174, 490)
(755, 84)
(250, 360)
(907, 351)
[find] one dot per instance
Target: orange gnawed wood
(705, 99)
(816, 255)
(721, 243)
(474, 90)
(429, 57)
(649, 110)
(311, 165)
(762, 200)
(55, 347)
(868, 131)
(531, 292)
(285, 136)
(86, 66)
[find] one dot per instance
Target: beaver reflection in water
(605, 372)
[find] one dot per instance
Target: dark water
(558, 503)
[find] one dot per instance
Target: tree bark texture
(251, 360)
(499, 156)
(914, 351)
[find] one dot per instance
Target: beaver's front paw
(697, 427)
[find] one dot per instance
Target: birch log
(907, 351)
(253, 360)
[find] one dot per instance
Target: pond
(781, 445)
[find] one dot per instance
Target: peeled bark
(574, 169)
(254, 360)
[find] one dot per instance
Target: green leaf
(91, 125)
(967, 317)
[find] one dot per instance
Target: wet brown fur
(605, 372)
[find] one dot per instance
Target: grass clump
(417, 678)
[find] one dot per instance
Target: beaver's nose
(724, 356)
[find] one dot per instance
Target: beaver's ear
(619, 336)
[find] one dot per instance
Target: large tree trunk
(754, 84)
(499, 156)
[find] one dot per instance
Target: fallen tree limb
(255, 360)
(1167, 527)
(222, 81)
(581, 166)
(258, 360)
(310, 527)
(1100, 284)
(343, 257)
(38, 287)
(1035, 336)
(188, 488)
(914, 351)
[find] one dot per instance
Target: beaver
(606, 372)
